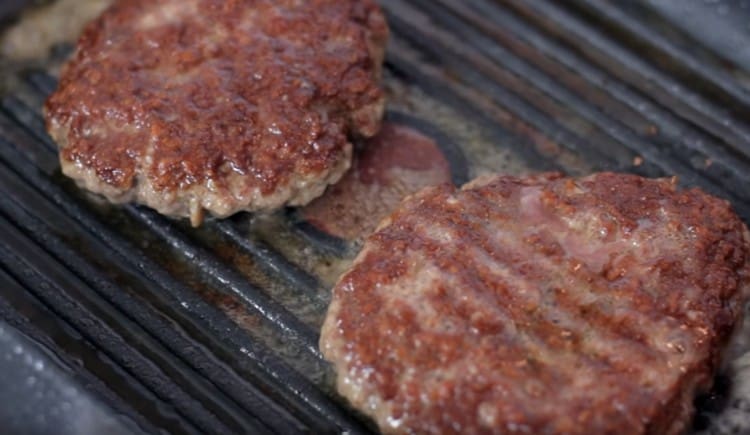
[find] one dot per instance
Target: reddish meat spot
(397, 162)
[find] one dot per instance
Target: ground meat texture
(192, 105)
(540, 305)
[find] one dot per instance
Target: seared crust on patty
(187, 105)
(540, 305)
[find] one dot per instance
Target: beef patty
(192, 105)
(540, 305)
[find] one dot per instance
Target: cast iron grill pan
(215, 330)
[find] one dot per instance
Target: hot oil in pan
(40, 30)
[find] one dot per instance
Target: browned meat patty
(540, 305)
(192, 105)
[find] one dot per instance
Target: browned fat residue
(397, 162)
(233, 308)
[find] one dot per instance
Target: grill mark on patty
(531, 338)
(528, 338)
(424, 244)
(576, 274)
(518, 253)
(541, 336)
